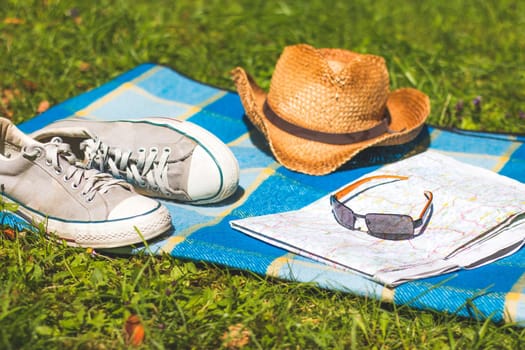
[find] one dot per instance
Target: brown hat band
(325, 137)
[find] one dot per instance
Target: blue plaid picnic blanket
(203, 233)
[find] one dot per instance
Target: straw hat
(326, 105)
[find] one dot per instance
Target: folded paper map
(476, 217)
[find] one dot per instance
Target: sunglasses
(385, 226)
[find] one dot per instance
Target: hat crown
(329, 90)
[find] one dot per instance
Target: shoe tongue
(178, 175)
(65, 133)
(63, 150)
(73, 136)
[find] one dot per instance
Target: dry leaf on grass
(9, 233)
(6, 113)
(43, 106)
(5, 101)
(236, 337)
(30, 85)
(13, 20)
(134, 330)
(7, 95)
(84, 66)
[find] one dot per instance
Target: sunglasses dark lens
(343, 215)
(390, 226)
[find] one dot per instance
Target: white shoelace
(147, 169)
(59, 156)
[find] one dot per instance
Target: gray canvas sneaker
(84, 207)
(161, 157)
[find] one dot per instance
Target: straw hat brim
(408, 109)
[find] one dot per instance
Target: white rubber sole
(224, 158)
(102, 234)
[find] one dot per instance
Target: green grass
(53, 296)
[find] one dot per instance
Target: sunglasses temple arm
(340, 194)
(430, 197)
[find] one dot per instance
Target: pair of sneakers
(91, 182)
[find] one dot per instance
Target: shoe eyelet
(74, 186)
(48, 162)
(33, 152)
(153, 149)
(58, 171)
(167, 150)
(66, 179)
(141, 150)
